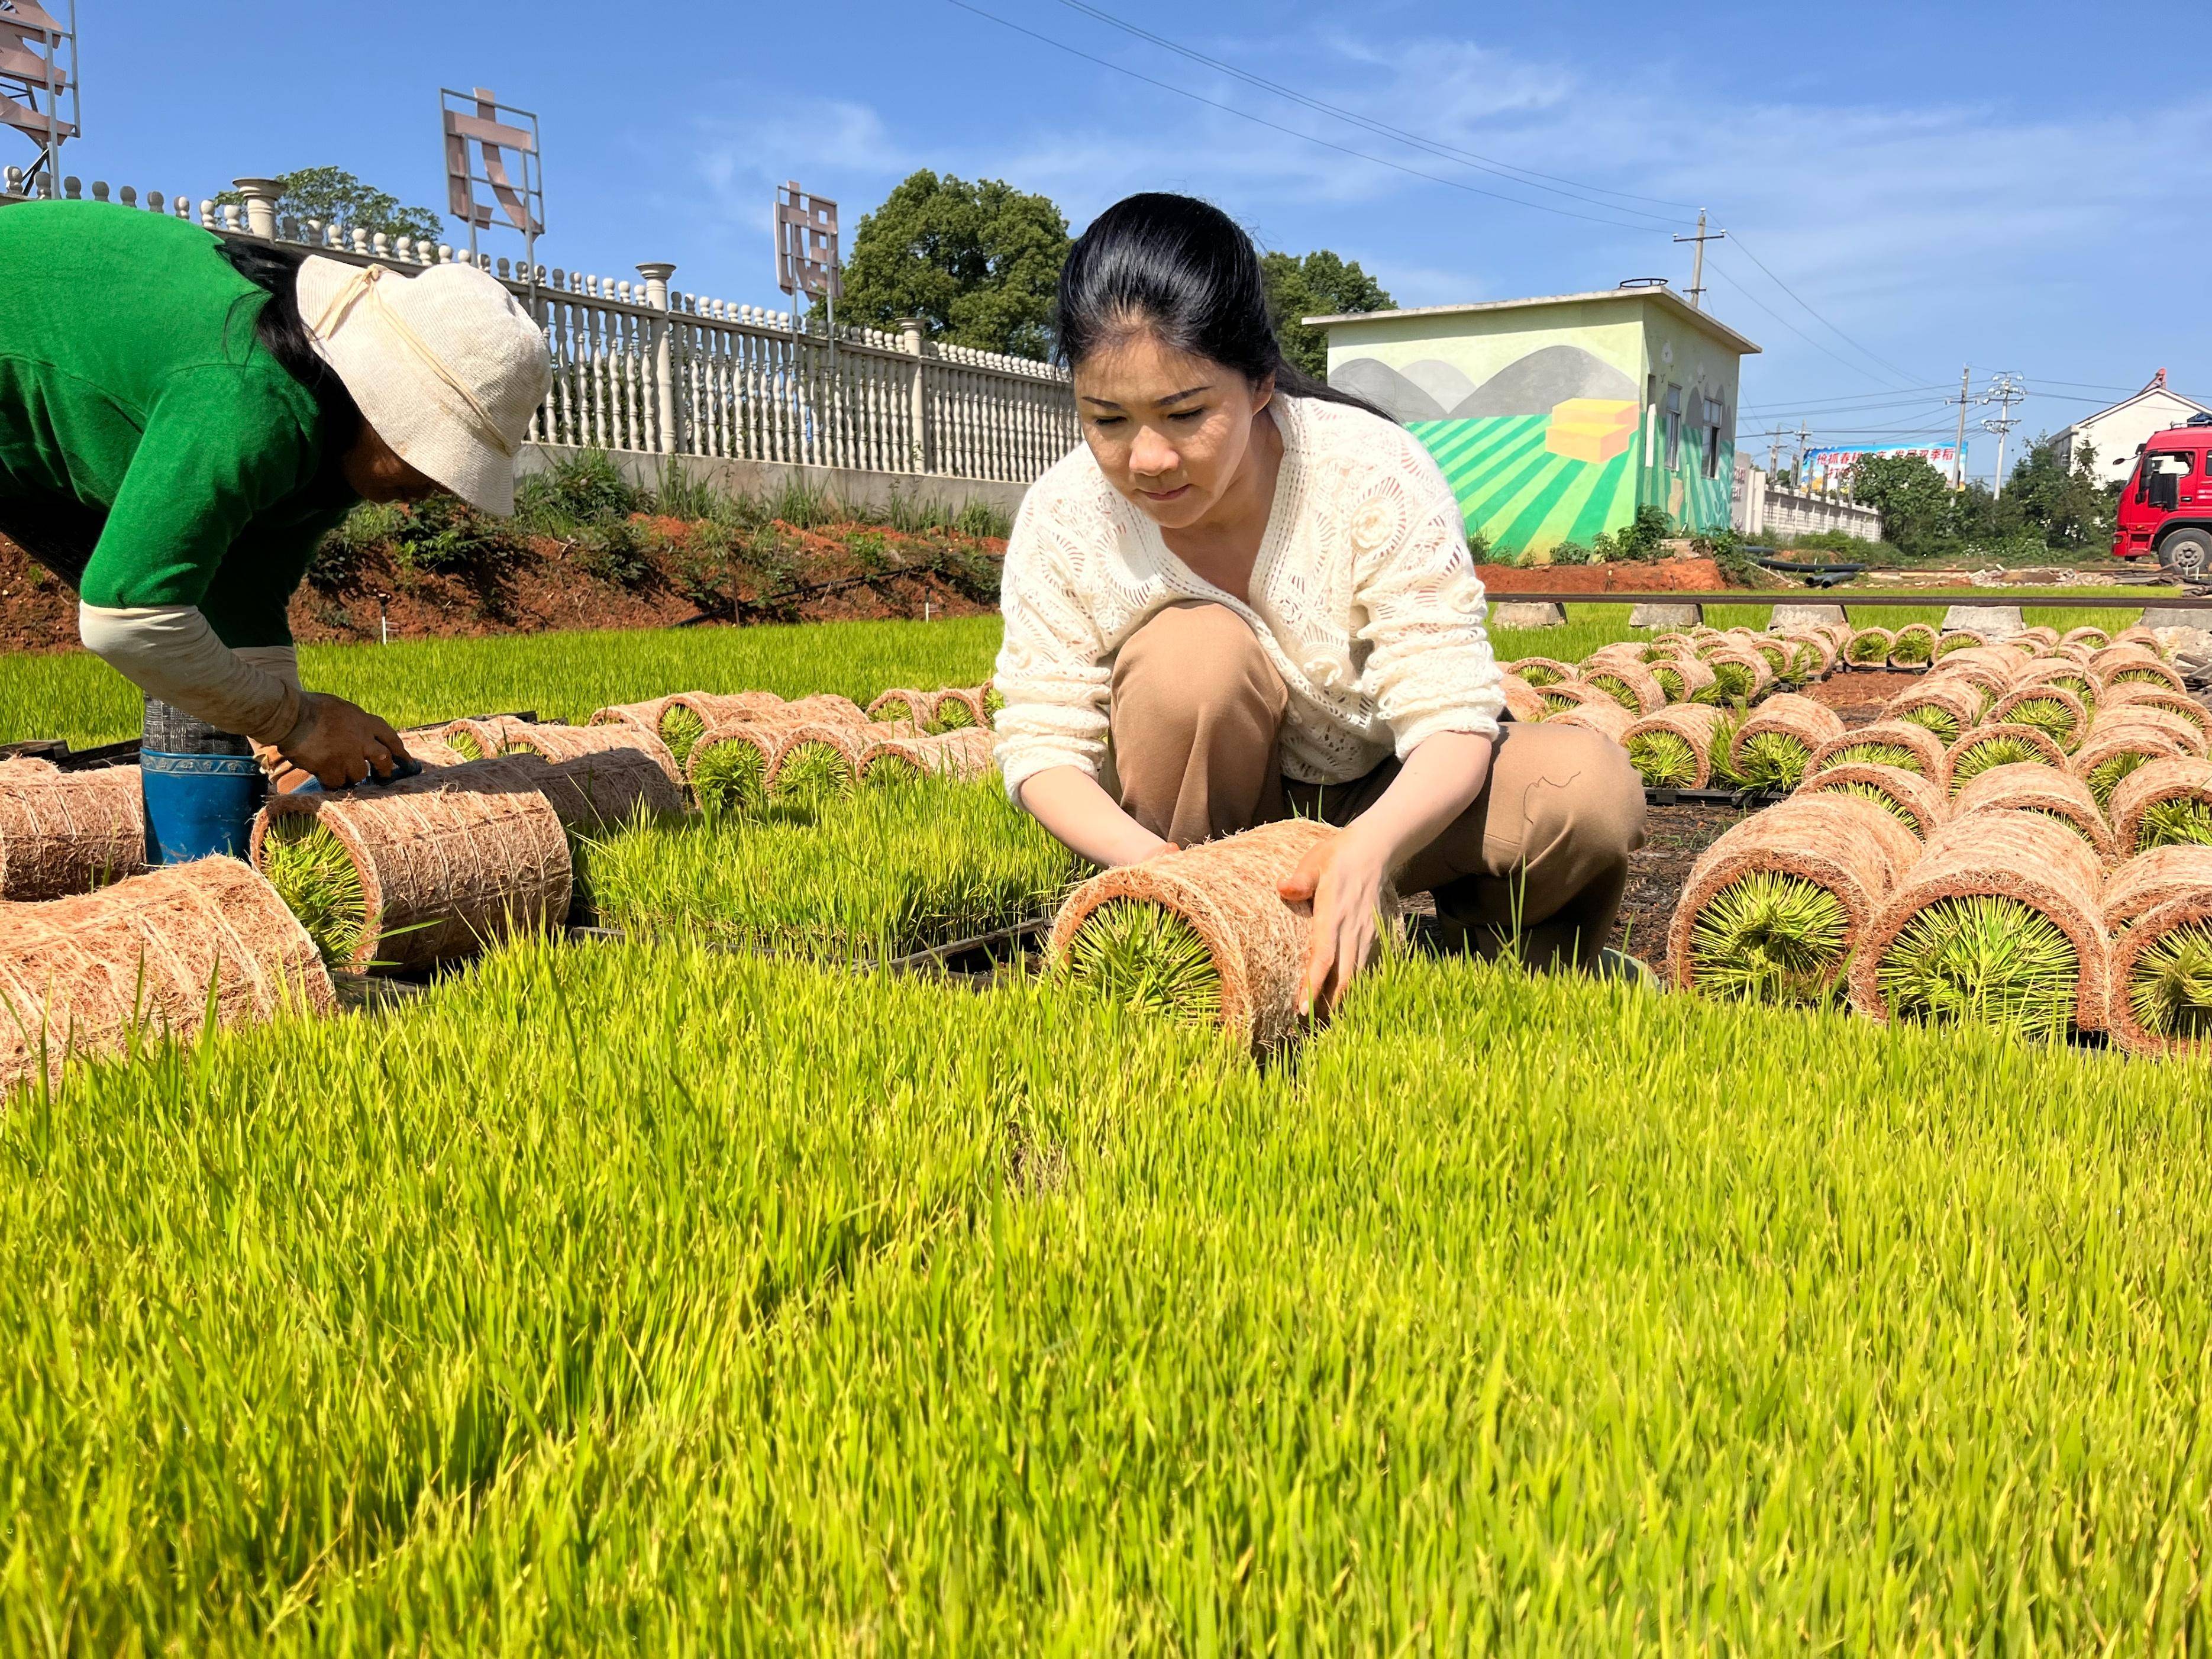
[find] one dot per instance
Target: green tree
(2071, 509)
(333, 196)
(978, 262)
(1319, 285)
(1914, 500)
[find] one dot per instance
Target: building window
(1673, 427)
(1716, 418)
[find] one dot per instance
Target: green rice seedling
(887, 770)
(951, 714)
(1724, 773)
(1557, 702)
(1983, 959)
(1881, 797)
(2074, 824)
(1772, 760)
(319, 881)
(2169, 988)
(2139, 674)
(1779, 654)
(681, 728)
(1805, 661)
(731, 777)
(2179, 822)
(1949, 642)
(2104, 777)
(1663, 759)
(1539, 673)
(1915, 644)
(1770, 937)
(1877, 753)
(2047, 715)
(1734, 681)
(1941, 721)
(464, 743)
(813, 770)
(891, 711)
(1614, 687)
(1147, 957)
(993, 702)
(1998, 749)
(1867, 646)
(2079, 683)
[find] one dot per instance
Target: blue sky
(1998, 186)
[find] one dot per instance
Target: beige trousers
(1540, 859)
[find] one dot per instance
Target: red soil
(1670, 576)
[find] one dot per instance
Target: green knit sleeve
(221, 445)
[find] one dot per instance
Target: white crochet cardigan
(1363, 596)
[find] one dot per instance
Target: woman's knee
(1588, 801)
(1188, 663)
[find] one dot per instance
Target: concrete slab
(1805, 616)
(2175, 616)
(1522, 613)
(1996, 621)
(1666, 616)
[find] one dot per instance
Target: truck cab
(2166, 506)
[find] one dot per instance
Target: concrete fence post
(260, 196)
(910, 342)
(656, 275)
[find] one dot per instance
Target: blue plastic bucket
(199, 806)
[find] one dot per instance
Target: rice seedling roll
(729, 769)
(2112, 752)
(428, 744)
(1911, 799)
(1523, 701)
(1811, 655)
(1902, 744)
(2051, 709)
(689, 715)
(1599, 714)
(69, 832)
(2158, 913)
(814, 761)
(1772, 747)
(1944, 707)
(428, 869)
(2119, 699)
(1772, 910)
(18, 767)
(1200, 935)
(912, 706)
(646, 714)
(1672, 748)
(2085, 635)
(1913, 646)
(570, 743)
(2163, 803)
(1869, 647)
(1631, 684)
(1999, 922)
(1687, 680)
(1739, 676)
(1986, 746)
(596, 791)
(2037, 634)
(1541, 671)
(2028, 787)
(1949, 644)
(956, 709)
(2127, 665)
(2139, 885)
(155, 952)
(964, 757)
(2063, 671)
(2145, 637)
(1564, 696)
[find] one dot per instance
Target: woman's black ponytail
(283, 335)
(1185, 271)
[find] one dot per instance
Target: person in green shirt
(183, 417)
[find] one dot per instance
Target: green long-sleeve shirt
(133, 389)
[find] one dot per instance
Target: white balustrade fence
(639, 366)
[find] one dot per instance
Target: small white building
(2116, 434)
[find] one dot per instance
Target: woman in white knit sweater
(1247, 595)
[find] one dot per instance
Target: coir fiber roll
(427, 744)
(1225, 890)
(2051, 709)
(1774, 938)
(1948, 707)
(1685, 679)
(1562, 696)
(89, 971)
(1541, 671)
(448, 862)
(904, 704)
(1884, 743)
(598, 790)
(2166, 803)
(1523, 701)
(2063, 671)
(2158, 911)
(645, 714)
(1628, 683)
(956, 708)
(1997, 744)
(568, 743)
(1672, 748)
(25, 766)
(1600, 713)
(1820, 644)
(1913, 646)
(2139, 885)
(1772, 746)
(2112, 752)
(962, 757)
(2130, 664)
(2089, 637)
(1869, 646)
(1740, 673)
(2119, 700)
(1911, 799)
(69, 832)
(816, 757)
(2028, 787)
(1983, 871)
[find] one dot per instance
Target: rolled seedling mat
(2165, 803)
(429, 870)
(1523, 701)
(2051, 709)
(1901, 743)
(1780, 657)
(2112, 752)
(1635, 651)
(962, 757)
(2085, 635)
(478, 739)
(1600, 713)
(1541, 671)
(2136, 693)
(1913, 646)
(1946, 707)
(646, 714)
(1869, 647)
(69, 832)
(1772, 747)
(568, 743)
(728, 768)
(1772, 910)
(1949, 644)
(1999, 921)
(815, 761)
(1674, 644)
(956, 708)
(427, 744)
(1672, 748)
(1631, 684)
(904, 704)
(1911, 799)
(688, 716)
(1997, 744)
(1563, 696)
(2039, 634)
(1200, 935)
(153, 953)
(2128, 665)
(601, 790)
(2142, 883)
(2063, 672)
(1686, 680)
(2059, 796)
(1986, 683)
(2187, 738)
(2140, 635)
(1739, 675)
(2160, 979)
(25, 766)
(1812, 655)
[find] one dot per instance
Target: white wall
(2115, 435)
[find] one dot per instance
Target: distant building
(1555, 419)
(2116, 434)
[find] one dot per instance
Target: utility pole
(1959, 453)
(1797, 466)
(1697, 288)
(2005, 390)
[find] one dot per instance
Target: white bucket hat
(444, 365)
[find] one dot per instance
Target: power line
(1856, 368)
(1310, 138)
(1823, 321)
(1448, 152)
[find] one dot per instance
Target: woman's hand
(338, 743)
(1343, 877)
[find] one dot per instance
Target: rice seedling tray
(976, 960)
(1746, 799)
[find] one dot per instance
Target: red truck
(2166, 506)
